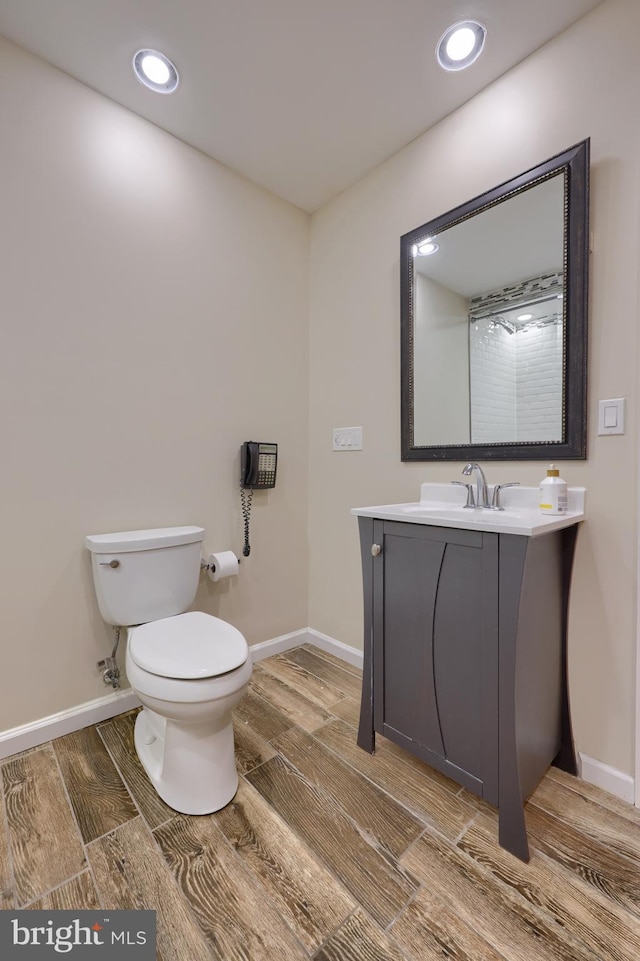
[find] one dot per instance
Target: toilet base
(191, 766)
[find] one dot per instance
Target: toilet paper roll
(222, 564)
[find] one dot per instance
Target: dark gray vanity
(465, 610)
(465, 644)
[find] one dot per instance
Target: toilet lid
(192, 645)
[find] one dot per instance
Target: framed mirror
(494, 321)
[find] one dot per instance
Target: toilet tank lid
(126, 541)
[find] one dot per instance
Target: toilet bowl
(184, 734)
(189, 670)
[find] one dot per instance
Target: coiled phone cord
(246, 499)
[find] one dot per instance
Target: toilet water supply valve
(109, 666)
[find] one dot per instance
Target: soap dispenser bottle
(553, 492)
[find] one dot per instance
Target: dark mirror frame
(574, 163)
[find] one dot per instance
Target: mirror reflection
(494, 321)
(488, 324)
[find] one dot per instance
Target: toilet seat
(174, 690)
(190, 647)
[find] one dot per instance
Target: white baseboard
(608, 778)
(26, 736)
(331, 646)
(278, 645)
(22, 738)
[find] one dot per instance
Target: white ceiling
(301, 96)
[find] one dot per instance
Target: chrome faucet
(481, 484)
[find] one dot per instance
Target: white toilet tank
(141, 576)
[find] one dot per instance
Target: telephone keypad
(267, 471)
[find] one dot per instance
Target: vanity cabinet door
(435, 647)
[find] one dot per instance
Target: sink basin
(422, 508)
(447, 512)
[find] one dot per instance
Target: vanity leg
(565, 759)
(512, 830)
(366, 733)
(566, 756)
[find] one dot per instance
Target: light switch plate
(611, 416)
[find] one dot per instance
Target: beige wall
(585, 83)
(441, 359)
(153, 314)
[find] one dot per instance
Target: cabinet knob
(375, 550)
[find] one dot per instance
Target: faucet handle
(471, 501)
(495, 500)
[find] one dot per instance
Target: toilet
(189, 670)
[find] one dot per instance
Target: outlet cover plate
(347, 438)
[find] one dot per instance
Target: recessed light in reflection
(428, 246)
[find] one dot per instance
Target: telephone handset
(258, 464)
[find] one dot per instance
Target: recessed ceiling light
(461, 45)
(155, 71)
(426, 247)
(524, 317)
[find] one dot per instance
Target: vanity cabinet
(465, 656)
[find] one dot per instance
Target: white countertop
(442, 505)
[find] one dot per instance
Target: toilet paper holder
(206, 566)
(211, 567)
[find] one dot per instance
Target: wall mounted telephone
(258, 465)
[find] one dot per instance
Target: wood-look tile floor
(325, 852)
